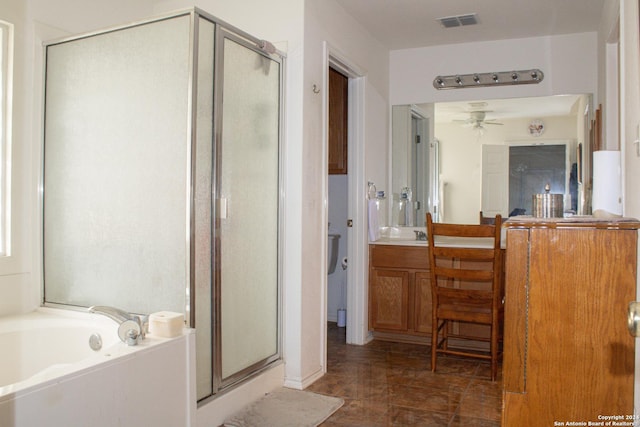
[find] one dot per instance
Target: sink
(400, 236)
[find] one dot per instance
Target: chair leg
(434, 344)
(445, 334)
(494, 351)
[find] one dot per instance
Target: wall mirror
(455, 159)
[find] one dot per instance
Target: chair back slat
(464, 253)
(465, 274)
(473, 296)
(464, 230)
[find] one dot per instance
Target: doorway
(338, 196)
(513, 172)
(530, 168)
(355, 238)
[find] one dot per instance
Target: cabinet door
(389, 300)
(571, 357)
(423, 302)
(338, 122)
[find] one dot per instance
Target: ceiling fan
(477, 119)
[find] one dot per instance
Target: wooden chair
(487, 219)
(466, 285)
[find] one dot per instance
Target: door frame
(357, 242)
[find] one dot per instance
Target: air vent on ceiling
(456, 21)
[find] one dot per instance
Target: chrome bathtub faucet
(132, 327)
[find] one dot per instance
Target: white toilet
(332, 252)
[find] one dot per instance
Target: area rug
(286, 407)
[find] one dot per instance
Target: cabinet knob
(633, 320)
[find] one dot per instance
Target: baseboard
(302, 383)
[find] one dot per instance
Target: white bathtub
(49, 343)
(50, 375)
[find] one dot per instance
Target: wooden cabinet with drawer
(399, 292)
(400, 297)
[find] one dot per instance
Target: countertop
(405, 236)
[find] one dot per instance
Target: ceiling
(402, 24)
(512, 108)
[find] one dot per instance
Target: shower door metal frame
(220, 384)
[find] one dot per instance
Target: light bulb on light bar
(489, 79)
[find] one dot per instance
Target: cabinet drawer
(395, 256)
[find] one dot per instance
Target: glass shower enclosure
(161, 183)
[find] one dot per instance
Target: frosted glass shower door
(247, 211)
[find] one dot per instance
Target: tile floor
(391, 384)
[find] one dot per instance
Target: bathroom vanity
(399, 291)
(400, 295)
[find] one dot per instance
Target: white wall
(569, 63)
(326, 21)
(608, 73)
(630, 101)
(16, 295)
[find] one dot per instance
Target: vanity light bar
(499, 78)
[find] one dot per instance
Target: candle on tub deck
(166, 324)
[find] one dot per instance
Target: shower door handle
(222, 207)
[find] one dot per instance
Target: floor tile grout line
(457, 411)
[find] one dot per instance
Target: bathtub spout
(132, 327)
(112, 313)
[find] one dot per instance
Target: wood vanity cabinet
(567, 353)
(400, 298)
(399, 292)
